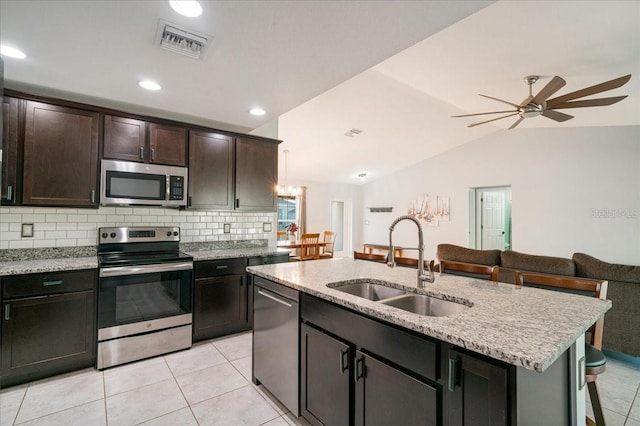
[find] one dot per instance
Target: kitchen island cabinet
(511, 358)
(49, 324)
(60, 156)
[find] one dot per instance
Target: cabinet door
(477, 391)
(168, 145)
(124, 138)
(43, 335)
(220, 306)
(386, 396)
(256, 174)
(325, 378)
(60, 156)
(210, 171)
(9, 178)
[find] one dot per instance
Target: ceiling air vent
(181, 40)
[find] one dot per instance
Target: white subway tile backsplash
(62, 227)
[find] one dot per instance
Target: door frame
(347, 225)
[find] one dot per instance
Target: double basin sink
(420, 304)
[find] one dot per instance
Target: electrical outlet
(27, 230)
(227, 228)
(266, 226)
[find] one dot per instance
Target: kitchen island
(536, 335)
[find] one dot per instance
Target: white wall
(574, 190)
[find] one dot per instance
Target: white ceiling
(397, 70)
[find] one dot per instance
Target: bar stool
(595, 361)
(473, 270)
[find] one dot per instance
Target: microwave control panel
(176, 187)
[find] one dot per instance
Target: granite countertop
(29, 266)
(526, 327)
(211, 254)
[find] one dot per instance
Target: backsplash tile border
(71, 227)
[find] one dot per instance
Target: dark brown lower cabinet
(477, 391)
(49, 331)
(355, 371)
(220, 298)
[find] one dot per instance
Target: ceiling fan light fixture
(530, 111)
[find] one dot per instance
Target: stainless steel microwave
(129, 183)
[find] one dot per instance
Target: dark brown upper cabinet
(10, 188)
(136, 140)
(60, 156)
(211, 159)
(256, 174)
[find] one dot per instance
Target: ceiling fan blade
(500, 100)
(483, 113)
(552, 87)
(602, 87)
(493, 119)
(526, 101)
(587, 103)
(557, 116)
(518, 121)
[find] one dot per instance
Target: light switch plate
(27, 230)
(227, 228)
(266, 226)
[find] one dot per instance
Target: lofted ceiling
(397, 70)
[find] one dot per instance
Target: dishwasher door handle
(274, 298)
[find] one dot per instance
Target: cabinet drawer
(49, 283)
(213, 268)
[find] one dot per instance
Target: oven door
(144, 295)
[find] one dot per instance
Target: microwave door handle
(145, 269)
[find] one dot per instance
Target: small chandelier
(287, 190)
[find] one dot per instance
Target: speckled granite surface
(526, 327)
(17, 267)
(204, 254)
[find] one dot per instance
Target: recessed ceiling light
(257, 111)
(149, 85)
(12, 52)
(189, 8)
(362, 176)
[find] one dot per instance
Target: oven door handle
(145, 269)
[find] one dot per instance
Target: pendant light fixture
(287, 190)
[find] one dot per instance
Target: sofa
(622, 321)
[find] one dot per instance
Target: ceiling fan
(540, 104)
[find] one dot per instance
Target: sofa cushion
(590, 267)
(533, 263)
(467, 255)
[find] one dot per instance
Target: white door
(493, 223)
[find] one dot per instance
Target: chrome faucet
(423, 276)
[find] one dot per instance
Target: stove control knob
(113, 235)
(168, 233)
(175, 233)
(105, 235)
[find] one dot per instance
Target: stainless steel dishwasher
(276, 325)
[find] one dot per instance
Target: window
(287, 211)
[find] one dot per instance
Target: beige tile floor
(210, 384)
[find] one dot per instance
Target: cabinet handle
(454, 364)
(55, 282)
(344, 360)
(9, 192)
(7, 312)
(190, 201)
(142, 152)
(153, 154)
(358, 371)
(237, 203)
(222, 266)
(93, 196)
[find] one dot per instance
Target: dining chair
(473, 270)
(411, 262)
(326, 252)
(281, 235)
(370, 256)
(309, 248)
(595, 361)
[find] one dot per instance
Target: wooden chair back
(281, 235)
(581, 286)
(327, 251)
(473, 270)
(370, 256)
(309, 248)
(412, 263)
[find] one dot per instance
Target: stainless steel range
(145, 300)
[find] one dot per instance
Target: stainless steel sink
(425, 305)
(367, 290)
